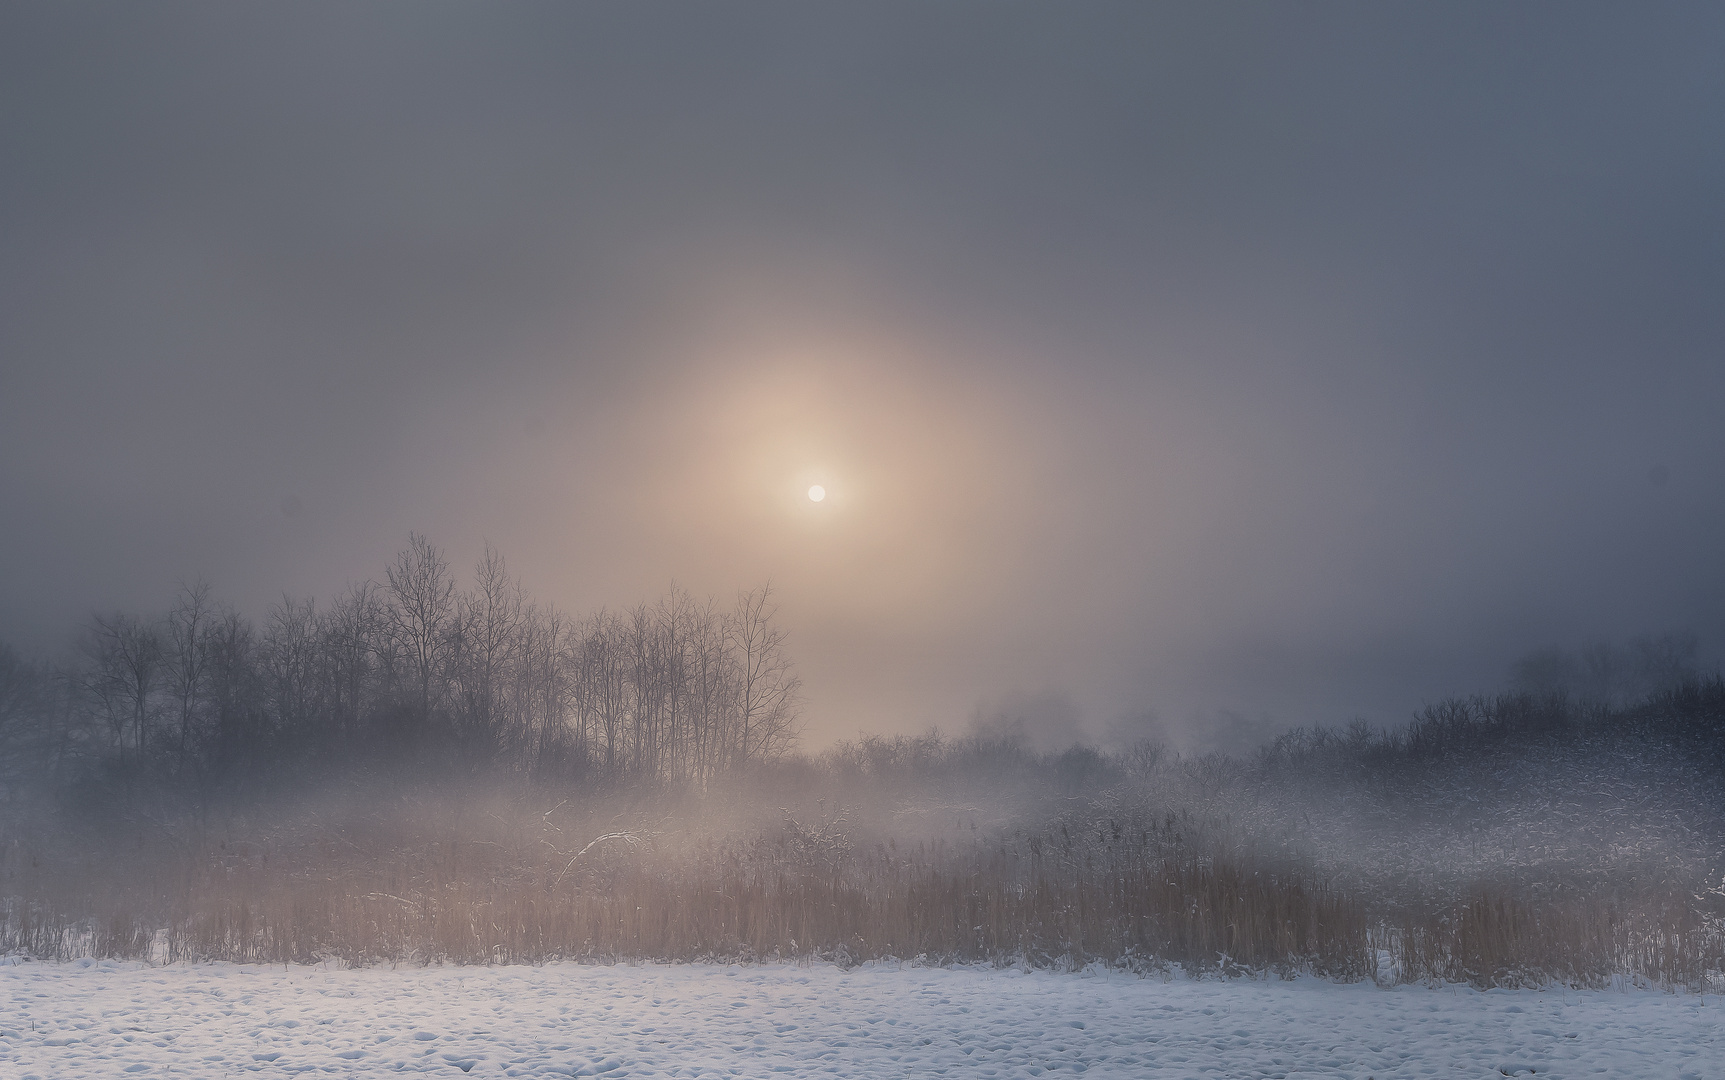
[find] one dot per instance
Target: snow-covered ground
(62, 1021)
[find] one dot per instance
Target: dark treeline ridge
(410, 673)
(447, 810)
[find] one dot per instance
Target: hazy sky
(1235, 363)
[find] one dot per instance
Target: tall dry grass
(1190, 912)
(1494, 939)
(525, 889)
(1134, 894)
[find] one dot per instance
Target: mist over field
(431, 770)
(863, 534)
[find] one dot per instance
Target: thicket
(411, 674)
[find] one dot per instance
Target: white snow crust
(107, 1019)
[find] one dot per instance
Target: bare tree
(239, 723)
(768, 690)
(490, 622)
(352, 633)
(602, 686)
(648, 690)
(421, 615)
(712, 692)
(187, 655)
(541, 693)
(126, 661)
(290, 655)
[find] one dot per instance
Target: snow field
(108, 1019)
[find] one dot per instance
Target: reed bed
(1198, 916)
(1144, 899)
(1194, 914)
(1659, 938)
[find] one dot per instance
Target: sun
(817, 493)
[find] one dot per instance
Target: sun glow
(817, 493)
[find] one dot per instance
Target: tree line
(412, 669)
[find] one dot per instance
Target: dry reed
(1140, 898)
